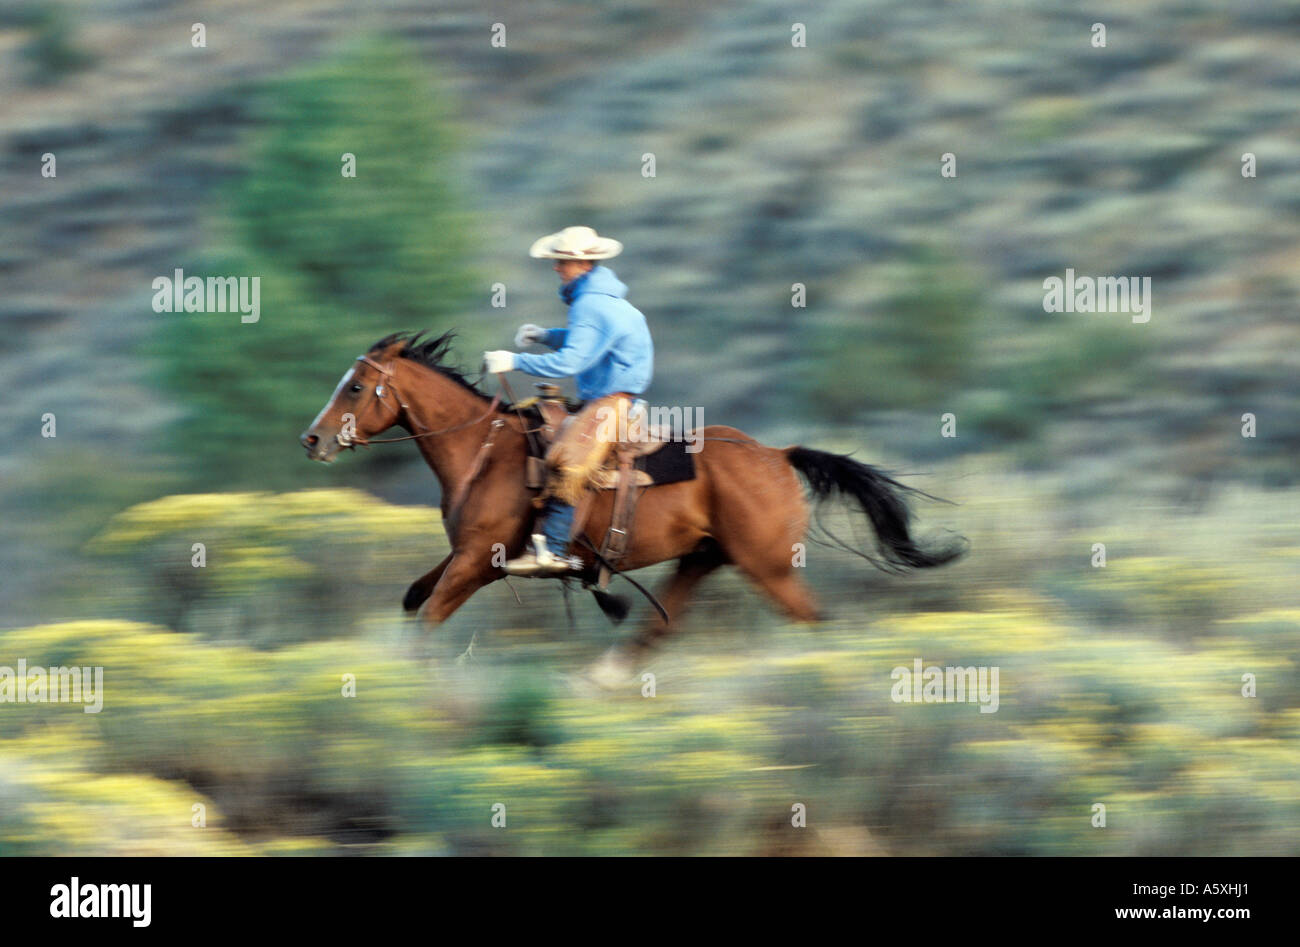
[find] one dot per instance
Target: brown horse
(745, 507)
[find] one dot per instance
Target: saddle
(654, 460)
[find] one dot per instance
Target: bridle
(383, 389)
(461, 490)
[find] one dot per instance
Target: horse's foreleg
(423, 587)
(464, 575)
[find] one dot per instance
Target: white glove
(499, 361)
(528, 334)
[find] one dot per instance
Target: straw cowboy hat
(575, 243)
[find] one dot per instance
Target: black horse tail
(884, 501)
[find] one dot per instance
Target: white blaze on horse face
(347, 377)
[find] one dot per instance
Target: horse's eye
(356, 387)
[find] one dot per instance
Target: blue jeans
(555, 526)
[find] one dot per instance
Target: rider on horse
(607, 346)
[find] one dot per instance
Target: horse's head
(364, 404)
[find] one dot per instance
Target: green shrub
(52, 53)
(342, 262)
(279, 568)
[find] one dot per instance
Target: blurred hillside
(775, 165)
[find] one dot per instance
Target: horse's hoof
(611, 672)
(415, 597)
(578, 685)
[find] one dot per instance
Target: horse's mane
(431, 352)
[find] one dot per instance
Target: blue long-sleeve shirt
(606, 344)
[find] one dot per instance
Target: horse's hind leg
(759, 519)
(618, 663)
(771, 567)
(789, 592)
(675, 591)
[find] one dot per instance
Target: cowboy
(606, 344)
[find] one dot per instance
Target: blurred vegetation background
(342, 261)
(775, 165)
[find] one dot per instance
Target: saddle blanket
(671, 463)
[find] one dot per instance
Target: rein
(379, 394)
(460, 490)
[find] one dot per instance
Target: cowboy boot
(538, 561)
